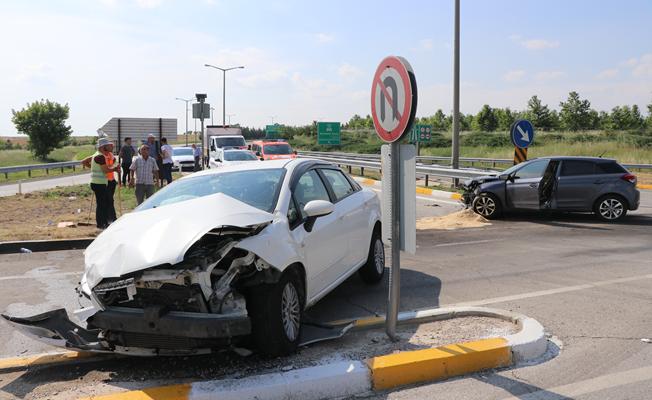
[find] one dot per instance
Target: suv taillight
(629, 178)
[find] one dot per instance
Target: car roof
(236, 150)
(583, 158)
(288, 164)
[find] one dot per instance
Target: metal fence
(47, 167)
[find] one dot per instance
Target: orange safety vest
(110, 160)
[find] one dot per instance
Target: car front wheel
(487, 205)
(374, 269)
(276, 312)
(610, 208)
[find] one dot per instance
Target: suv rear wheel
(610, 208)
(487, 205)
(276, 312)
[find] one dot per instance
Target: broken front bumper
(123, 330)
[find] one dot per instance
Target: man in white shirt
(166, 154)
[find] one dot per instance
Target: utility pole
(456, 93)
(230, 115)
(186, 133)
(212, 112)
(223, 87)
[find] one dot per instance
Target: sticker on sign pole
(393, 98)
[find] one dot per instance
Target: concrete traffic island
(502, 339)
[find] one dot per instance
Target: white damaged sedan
(220, 256)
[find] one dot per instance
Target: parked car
(182, 158)
(272, 149)
(219, 255)
(582, 184)
(226, 157)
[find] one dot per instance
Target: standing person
(196, 153)
(166, 154)
(155, 153)
(146, 171)
(103, 166)
(126, 155)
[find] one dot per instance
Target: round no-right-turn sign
(393, 98)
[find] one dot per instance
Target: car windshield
(230, 142)
(258, 188)
(239, 156)
(280, 148)
(182, 151)
(511, 169)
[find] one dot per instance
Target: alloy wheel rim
(290, 311)
(379, 256)
(485, 206)
(611, 209)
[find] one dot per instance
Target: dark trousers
(196, 164)
(110, 206)
(167, 172)
(102, 199)
(125, 173)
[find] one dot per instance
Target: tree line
(575, 114)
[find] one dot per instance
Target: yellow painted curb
(173, 392)
(644, 186)
(456, 196)
(438, 363)
(422, 190)
(368, 182)
(43, 359)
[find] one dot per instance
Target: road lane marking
(33, 276)
(469, 242)
(603, 382)
(432, 199)
(549, 292)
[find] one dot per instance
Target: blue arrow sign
(522, 133)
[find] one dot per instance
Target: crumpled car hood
(480, 180)
(162, 235)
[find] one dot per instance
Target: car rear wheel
(276, 312)
(610, 208)
(487, 205)
(374, 269)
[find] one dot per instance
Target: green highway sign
(328, 133)
(273, 131)
(421, 134)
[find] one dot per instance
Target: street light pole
(456, 92)
(212, 112)
(186, 101)
(223, 87)
(230, 115)
(272, 117)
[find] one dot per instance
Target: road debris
(461, 219)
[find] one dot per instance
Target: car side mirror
(212, 147)
(295, 152)
(249, 147)
(315, 209)
(258, 153)
(218, 160)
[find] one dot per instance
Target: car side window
(609, 167)
(532, 170)
(577, 167)
(338, 182)
(309, 188)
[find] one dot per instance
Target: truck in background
(221, 137)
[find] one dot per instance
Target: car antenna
(601, 154)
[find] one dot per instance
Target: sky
(314, 60)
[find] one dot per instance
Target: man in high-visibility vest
(103, 166)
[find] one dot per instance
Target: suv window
(340, 185)
(309, 188)
(609, 167)
(532, 170)
(577, 167)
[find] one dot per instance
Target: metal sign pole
(395, 237)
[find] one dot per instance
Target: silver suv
(578, 184)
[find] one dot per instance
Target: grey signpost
(202, 110)
(393, 105)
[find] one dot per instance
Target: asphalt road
(589, 283)
(27, 186)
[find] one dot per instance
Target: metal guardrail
(47, 167)
(432, 159)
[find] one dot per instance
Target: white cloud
(549, 75)
(607, 73)
(514, 75)
(641, 67)
(534, 44)
(324, 37)
(348, 71)
(149, 3)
